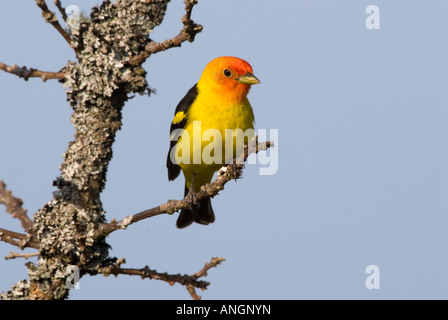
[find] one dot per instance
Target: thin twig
(188, 33)
(19, 239)
(25, 73)
(58, 4)
(189, 281)
(212, 264)
(51, 18)
(147, 273)
(203, 273)
(208, 190)
(14, 206)
(13, 255)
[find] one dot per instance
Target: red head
(228, 76)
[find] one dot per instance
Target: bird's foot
(235, 170)
(191, 195)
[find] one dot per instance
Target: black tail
(202, 213)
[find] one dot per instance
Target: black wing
(183, 106)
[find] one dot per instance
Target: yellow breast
(215, 133)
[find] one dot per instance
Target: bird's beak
(248, 78)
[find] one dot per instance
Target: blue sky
(362, 151)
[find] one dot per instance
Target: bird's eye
(227, 72)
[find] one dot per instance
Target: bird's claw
(191, 195)
(235, 171)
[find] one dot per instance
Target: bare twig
(208, 190)
(203, 273)
(58, 4)
(153, 274)
(189, 281)
(51, 18)
(25, 73)
(188, 33)
(208, 266)
(13, 255)
(14, 206)
(18, 239)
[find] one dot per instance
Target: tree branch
(203, 273)
(58, 4)
(188, 33)
(25, 73)
(189, 281)
(51, 18)
(18, 239)
(13, 255)
(14, 206)
(208, 190)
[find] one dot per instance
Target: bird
(216, 103)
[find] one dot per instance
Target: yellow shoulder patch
(179, 117)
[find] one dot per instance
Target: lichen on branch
(110, 47)
(97, 87)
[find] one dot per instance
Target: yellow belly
(213, 136)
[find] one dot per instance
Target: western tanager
(216, 104)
